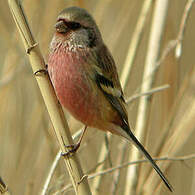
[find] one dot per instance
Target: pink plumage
(68, 70)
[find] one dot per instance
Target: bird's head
(76, 26)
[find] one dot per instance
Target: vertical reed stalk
(59, 122)
(157, 27)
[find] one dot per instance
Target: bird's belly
(74, 91)
(75, 96)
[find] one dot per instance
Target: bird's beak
(61, 27)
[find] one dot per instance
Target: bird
(85, 79)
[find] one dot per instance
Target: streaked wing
(107, 80)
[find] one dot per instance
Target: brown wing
(108, 67)
(107, 80)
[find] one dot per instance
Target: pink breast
(72, 85)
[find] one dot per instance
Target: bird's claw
(72, 151)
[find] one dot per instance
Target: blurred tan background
(27, 142)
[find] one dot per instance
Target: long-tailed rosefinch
(85, 78)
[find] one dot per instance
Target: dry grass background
(27, 143)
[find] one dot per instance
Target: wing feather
(107, 80)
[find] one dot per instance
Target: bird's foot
(74, 147)
(72, 151)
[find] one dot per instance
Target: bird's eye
(74, 25)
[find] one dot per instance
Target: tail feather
(140, 147)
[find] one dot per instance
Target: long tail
(139, 146)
